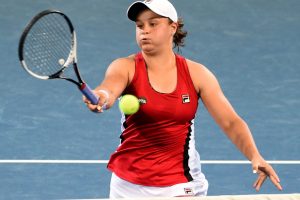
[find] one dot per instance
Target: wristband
(105, 93)
(106, 100)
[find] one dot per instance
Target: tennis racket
(48, 46)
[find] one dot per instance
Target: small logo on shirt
(188, 191)
(185, 98)
(142, 100)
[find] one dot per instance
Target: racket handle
(89, 94)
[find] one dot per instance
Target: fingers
(273, 174)
(94, 108)
(261, 176)
(260, 180)
(264, 171)
(101, 105)
(275, 182)
(269, 171)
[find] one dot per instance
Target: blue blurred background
(252, 46)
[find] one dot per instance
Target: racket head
(47, 45)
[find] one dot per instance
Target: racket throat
(82, 86)
(77, 73)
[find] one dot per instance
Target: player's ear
(173, 28)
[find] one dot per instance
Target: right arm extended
(116, 79)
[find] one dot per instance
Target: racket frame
(72, 57)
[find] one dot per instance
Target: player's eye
(153, 23)
(140, 26)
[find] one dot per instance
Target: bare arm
(225, 116)
(230, 122)
(117, 77)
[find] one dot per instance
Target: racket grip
(89, 94)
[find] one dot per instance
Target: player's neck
(164, 59)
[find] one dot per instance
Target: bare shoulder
(124, 62)
(200, 75)
(196, 68)
(122, 67)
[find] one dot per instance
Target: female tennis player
(157, 155)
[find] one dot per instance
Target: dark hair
(180, 34)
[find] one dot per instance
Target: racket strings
(48, 41)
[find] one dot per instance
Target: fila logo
(188, 191)
(185, 98)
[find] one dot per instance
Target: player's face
(154, 32)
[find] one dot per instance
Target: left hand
(264, 170)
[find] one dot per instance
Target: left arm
(230, 122)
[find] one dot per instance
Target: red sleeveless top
(155, 141)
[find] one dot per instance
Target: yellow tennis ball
(129, 104)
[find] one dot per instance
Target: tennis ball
(129, 104)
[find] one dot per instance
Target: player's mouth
(145, 41)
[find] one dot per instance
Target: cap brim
(135, 9)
